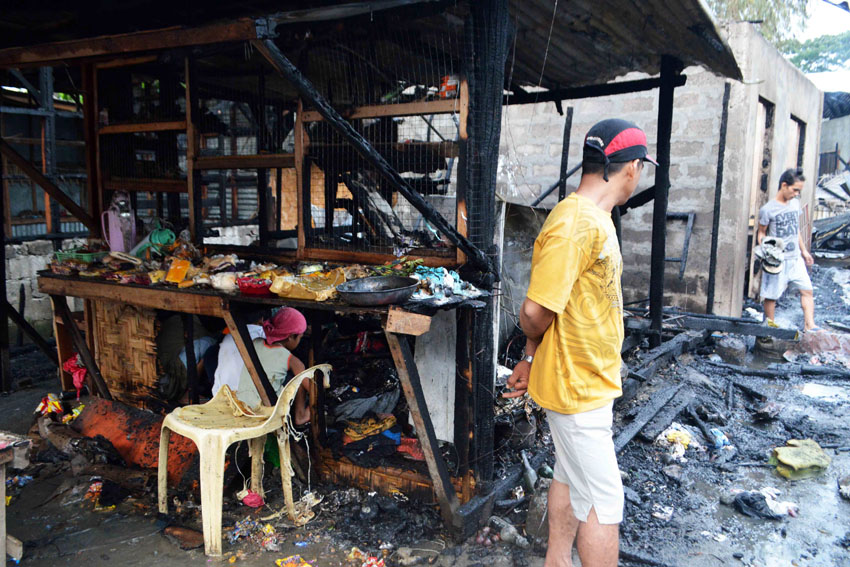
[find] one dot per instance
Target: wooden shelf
(441, 106)
(258, 161)
(143, 184)
(142, 127)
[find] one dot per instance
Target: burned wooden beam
(51, 188)
(237, 322)
(591, 91)
(30, 331)
(408, 375)
(306, 89)
(783, 371)
(96, 381)
(718, 189)
(646, 413)
(666, 415)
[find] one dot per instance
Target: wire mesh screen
(151, 92)
(351, 205)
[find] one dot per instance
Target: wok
(377, 290)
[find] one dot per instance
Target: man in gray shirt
(781, 217)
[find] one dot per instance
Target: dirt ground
(673, 516)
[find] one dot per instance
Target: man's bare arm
(761, 233)
(534, 320)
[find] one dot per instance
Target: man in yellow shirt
(573, 320)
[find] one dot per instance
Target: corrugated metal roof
(594, 41)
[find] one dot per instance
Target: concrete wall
(836, 131)
(23, 261)
(532, 139)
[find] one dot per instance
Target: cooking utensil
(377, 290)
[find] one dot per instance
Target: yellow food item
(186, 283)
(156, 275)
(177, 271)
(318, 286)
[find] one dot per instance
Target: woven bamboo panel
(125, 345)
(384, 479)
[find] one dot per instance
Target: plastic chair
(216, 425)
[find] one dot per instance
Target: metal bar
(669, 72)
(408, 375)
(565, 154)
(592, 91)
(96, 381)
(718, 193)
(306, 89)
(30, 331)
(236, 320)
(48, 186)
(554, 186)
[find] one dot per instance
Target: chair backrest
(287, 395)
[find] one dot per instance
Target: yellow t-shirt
(575, 272)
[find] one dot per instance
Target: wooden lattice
(125, 344)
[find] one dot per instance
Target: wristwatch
(529, 358)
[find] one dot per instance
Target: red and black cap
(615, 141)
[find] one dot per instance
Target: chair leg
(212, 488)
(285, 476)
(257, 447)
(162, 470)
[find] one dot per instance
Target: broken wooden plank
(406, 323)
(408, 375)
(754, 328)
(667, 415)
(646, 413)
(783, 371)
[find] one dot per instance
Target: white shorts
(585, 460)
(793, 274)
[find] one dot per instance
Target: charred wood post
(237, 321)
(5, 370)
(360, 144)
(718, 188)
(486, 41)
(565, 154)
(670, 70)
(411, 385)
(24, 326)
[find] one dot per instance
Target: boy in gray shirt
(781, 217)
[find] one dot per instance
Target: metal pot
(378, 290)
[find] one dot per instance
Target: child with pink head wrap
(283, 333)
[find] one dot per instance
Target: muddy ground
(61, 527)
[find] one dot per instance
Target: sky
(827, 20)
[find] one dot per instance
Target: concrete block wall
(532, 141)
(23, 262)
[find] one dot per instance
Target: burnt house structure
(344, 132)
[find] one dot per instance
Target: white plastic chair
(216, 425)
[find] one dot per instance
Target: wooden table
(233, 309)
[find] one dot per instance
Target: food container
(378, 290)
(250, 285)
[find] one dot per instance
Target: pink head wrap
(285, 323)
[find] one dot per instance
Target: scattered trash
(762, 503)
(800, 458)
(18, 480)
(844, 487)
(677, 439)
(373, 561)
(356, 555)
(250, 498)
(74, 414)
(529, 475)
(767, 412)
(719, 438)
(673, 471)
(664, 513)
(507, 532)
(537, 520)
(292, 561)
(545, 471)
(49, 404)
(263, 535)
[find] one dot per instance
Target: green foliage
(778, 17)
(825, 53)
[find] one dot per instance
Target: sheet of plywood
(435, 359)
